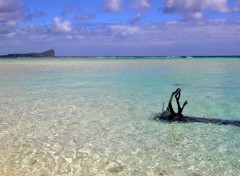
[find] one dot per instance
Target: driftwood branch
(170, 108)
(169, 112)
(170, 115)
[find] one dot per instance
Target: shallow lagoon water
(95, 117)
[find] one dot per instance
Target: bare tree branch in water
(171, 116)
(169, 112)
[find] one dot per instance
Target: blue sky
(121, 27)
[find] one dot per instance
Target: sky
(121, 27)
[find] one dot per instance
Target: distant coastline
(51, 53)
(169, 57)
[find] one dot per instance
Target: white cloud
(7, 27)
(113, 5)
(65, 26)
(11, 10)
(135, 18)
(85, 16)
(11, 34)
(170, 38)
(141, 4)
(236, 6)
(69, 37)
(124, 29)
(194, 8)
(67, 9)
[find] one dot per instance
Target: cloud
(236, 6)
(124, 29)
(35, 14)
(194, 9)
(141, 4)
(7, 27)
(65, 26)
(67, 9)
(85, 16)
(171, 38)
(14, 11)
(11, 10)
(122, 32)
(135, 18)
(113, 5)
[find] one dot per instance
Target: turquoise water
(95, 117)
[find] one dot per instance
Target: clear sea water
(95, 117)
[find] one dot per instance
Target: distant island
(49, 53)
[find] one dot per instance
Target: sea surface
(94, 116)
